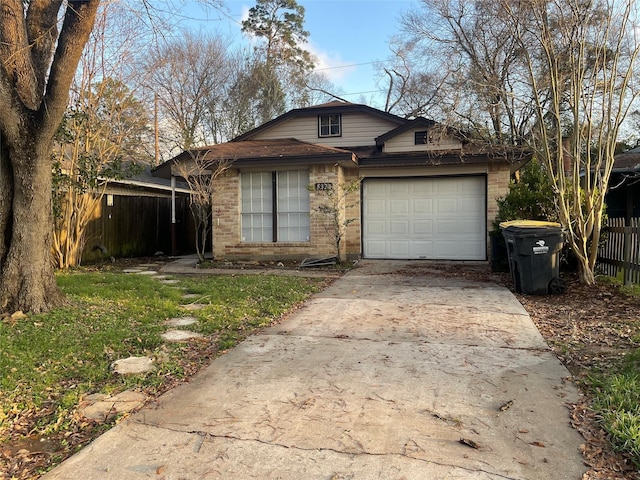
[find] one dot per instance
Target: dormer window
(330, 125)
(420, 137)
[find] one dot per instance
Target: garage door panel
(376, 207)
(469, 206)
(447, 206)
(399, 188)
(377, 249)
(398, 248)
(377, 228)
(399, 207)
(447, 228)
(423, 227)
(470, 226)
(399, 227)
(423, 249)
(422, 206)
(434, 218)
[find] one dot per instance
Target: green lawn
(616, 393)
(49, 362)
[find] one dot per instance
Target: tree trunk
(27, 280)
(6, 187)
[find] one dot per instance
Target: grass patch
(632, 290)
(616, 392)
(617, 402)
(49, 362)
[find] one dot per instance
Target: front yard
(50, 363)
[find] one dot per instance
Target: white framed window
(330, 125)
(257, 207)
(293, 206)
(275, 206)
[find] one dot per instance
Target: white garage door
(430, 218)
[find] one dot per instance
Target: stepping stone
(192, 295)
(133, 365)
(101, 407)
(161, 277)
(131, 270)
(147, 272)
(192, 307)
(180, 335)
(149, 265)
(181, 322)
(169, 282)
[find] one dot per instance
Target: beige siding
(405, 142)
(358, 129)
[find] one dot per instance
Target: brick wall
(227, 242)
(226, 217)
(497, 186)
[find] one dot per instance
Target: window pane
(293, 206)
(329, 125)
(257, 207)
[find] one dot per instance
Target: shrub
(530, 197)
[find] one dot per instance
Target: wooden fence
(134, 226)
(621, 250)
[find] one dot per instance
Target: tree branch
(76, 28)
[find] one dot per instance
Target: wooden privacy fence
(621, 250)
(134, 226)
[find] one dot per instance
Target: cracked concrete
(382, 375)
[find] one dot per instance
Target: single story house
(421, 191)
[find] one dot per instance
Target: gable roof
(419, 122)
(335, 107)
(275, 152)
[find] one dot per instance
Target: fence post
(626, 269)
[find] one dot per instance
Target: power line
(345, 66)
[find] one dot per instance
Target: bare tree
(103, 133)
(200, 174)
(332, 212)
(464, 53)
(191, 75)
(582, 81)
(38, 58)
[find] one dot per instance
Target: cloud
(331, 64)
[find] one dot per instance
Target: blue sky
(347, 37)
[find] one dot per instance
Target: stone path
(101, 407)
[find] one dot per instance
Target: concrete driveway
(384, 375)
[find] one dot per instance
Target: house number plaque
(324, 186)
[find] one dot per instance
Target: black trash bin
(533, 250)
